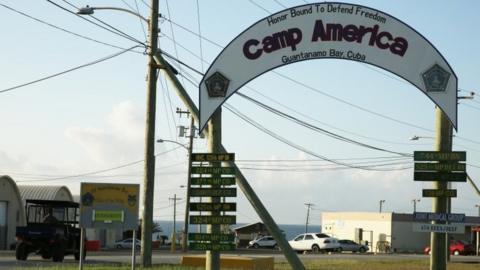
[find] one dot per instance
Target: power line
(200, 34)
(259, 6)
(280, 4)
(137, 10)
(63, 29)
(68, 70)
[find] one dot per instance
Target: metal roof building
(12, 213)
(58, 193)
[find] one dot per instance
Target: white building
(391, 230)
(12, 212)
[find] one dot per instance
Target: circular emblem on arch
(329, 30)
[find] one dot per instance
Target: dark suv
(52, 230)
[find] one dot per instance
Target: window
(299, 238)
(322, 235)
(308, 237)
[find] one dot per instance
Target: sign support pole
(439, 241)
(242, 182)
(82, 246)
(134, 243)
(189, 180)
(212, 261)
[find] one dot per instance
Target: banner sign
(209, 207)
(427, 216)
(213, 219)
(439, 156)
(212, 157)
(439, 193)
(215, 181)
(439, 228)
(109, 206)
(211, 237)
(213, 192)
(212, 246)
(213, 170)
(441, 167)
(440, 176)
(332, 31)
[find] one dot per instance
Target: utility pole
(477, 234)
(381, 202)
(174, 233)
(212, 261)
(308, 215)
(149, 175)
(415, 204)
(438, 241)
(189, 177)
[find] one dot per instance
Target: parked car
(127, 243)
(457, 247)
(315, 242)
(349, 245)
(263, 242)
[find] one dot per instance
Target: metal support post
(134, 246)
(189, 180)
(438, 241)
(149, 176)
(82, 248)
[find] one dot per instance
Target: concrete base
(236, 262)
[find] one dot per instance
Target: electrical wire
(280, 4)
(179, 66)
(68, 70)
(137, 10)
(470, 106)
(63, 29)
(200, 34)
(259, 6)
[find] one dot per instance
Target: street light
(416, 138)
(381, 202)
(149, 176)
(187, 203)
(415, 204)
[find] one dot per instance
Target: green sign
(211, 237)
(439, 193)
(440, 176)
(213, 207)
(212, 246)
(107, 216)
(212, 157)
(216, 181)
(213, 192)
(439, 156)
(213, 219)
(448, 167)
(213, 170)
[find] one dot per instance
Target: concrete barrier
(235, 262)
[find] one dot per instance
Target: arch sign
(329, 30)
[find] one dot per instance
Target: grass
(323, 264)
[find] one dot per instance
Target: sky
(88, 125)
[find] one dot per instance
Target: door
(3, 225)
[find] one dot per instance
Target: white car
(315, 242)
(127, 243)
(263, 242)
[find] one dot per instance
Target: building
(385, 232)
(51, 193)
(12, 213)
(246, 233)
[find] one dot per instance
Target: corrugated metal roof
(42, 192)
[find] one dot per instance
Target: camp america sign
(329, 30)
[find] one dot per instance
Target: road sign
(211, 237)
(439, 193)
(213, 170)
(439, 228)
(440, 176)
(439, 156)
(440, 167)
(213, 192)
(427, 216)
(212, 157)
(106, 216)
(212, 246)
(213, 207)
(224, 181)
(213, 219)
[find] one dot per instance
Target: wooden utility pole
(439, 241)
(149, 176)
(309, 205)
(174, 233)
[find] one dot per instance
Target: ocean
(290, 230)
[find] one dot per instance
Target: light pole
(415, 204)
(381, 202)
(149, 175)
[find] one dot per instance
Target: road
(7, 258)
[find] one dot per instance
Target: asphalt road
(8, 261)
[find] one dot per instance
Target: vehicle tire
(119, 246)
(46, 255)
(275, 246)
(339, 250)
(77, 255)
(315, 249)
(362, 250)
(456, 252)
(58, 253)
(21, 251)
(256, 245)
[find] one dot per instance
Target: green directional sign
(213, 219)
(108, 216)
(213, 170)
(448, 167)
(213, 192)
(439, 193)
(439, 156)
(212, 246)
(213, 157)
(213, 207)
(224, 181)
(440, 176)
(211, 237)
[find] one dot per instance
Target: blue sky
(93, 118)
